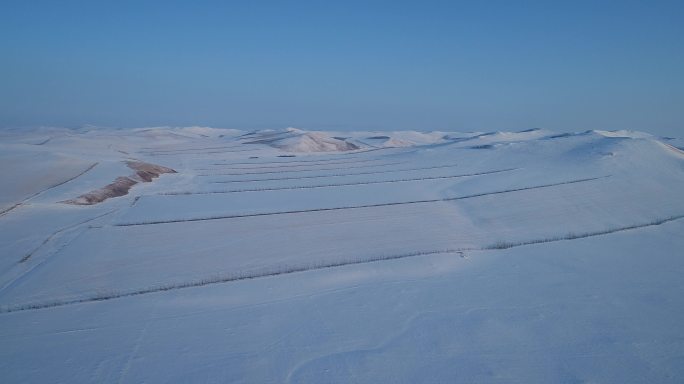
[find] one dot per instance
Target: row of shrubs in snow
(220, 278)
(573, 236)
(293, 268)
(337, 184)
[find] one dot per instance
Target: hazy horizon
(449, 66)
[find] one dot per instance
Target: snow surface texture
(317, 257)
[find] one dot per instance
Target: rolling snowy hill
(210, 255)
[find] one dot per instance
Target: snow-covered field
(318, 257)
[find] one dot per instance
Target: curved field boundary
(364, 206)
(297, 170)
(279, 270)
(338, 184)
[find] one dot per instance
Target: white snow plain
(287, 256)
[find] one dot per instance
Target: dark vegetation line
(364, 206)
(11, 207)
(7, 210)
(338, 184)
(296, 170)
(573, 236)
(202, 153)
(135, 201)
(279, 270)
(267, 272)
(290, 161)
(168, 151)
(44, 141)
(286, 166)
(73, 178)
(370, 150)
(333, 175)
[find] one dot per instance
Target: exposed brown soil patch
(144, 172)
(147, 167)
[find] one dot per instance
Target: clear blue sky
(448, 65)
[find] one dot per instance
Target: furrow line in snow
(349, 207)
(337, 184)
(298, 170)
(182, 150)
(289, 162)
(286, 166)
(200, 153)
(333, 175)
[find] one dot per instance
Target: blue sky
(447, 65)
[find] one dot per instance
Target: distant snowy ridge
(296, 140)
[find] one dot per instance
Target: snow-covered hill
(215, 255)
(296, 140)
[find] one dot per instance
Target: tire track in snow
(349, 207)
(280, 270)
(52, 236)
(338, 184)
(23, 275)
(134, 351)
